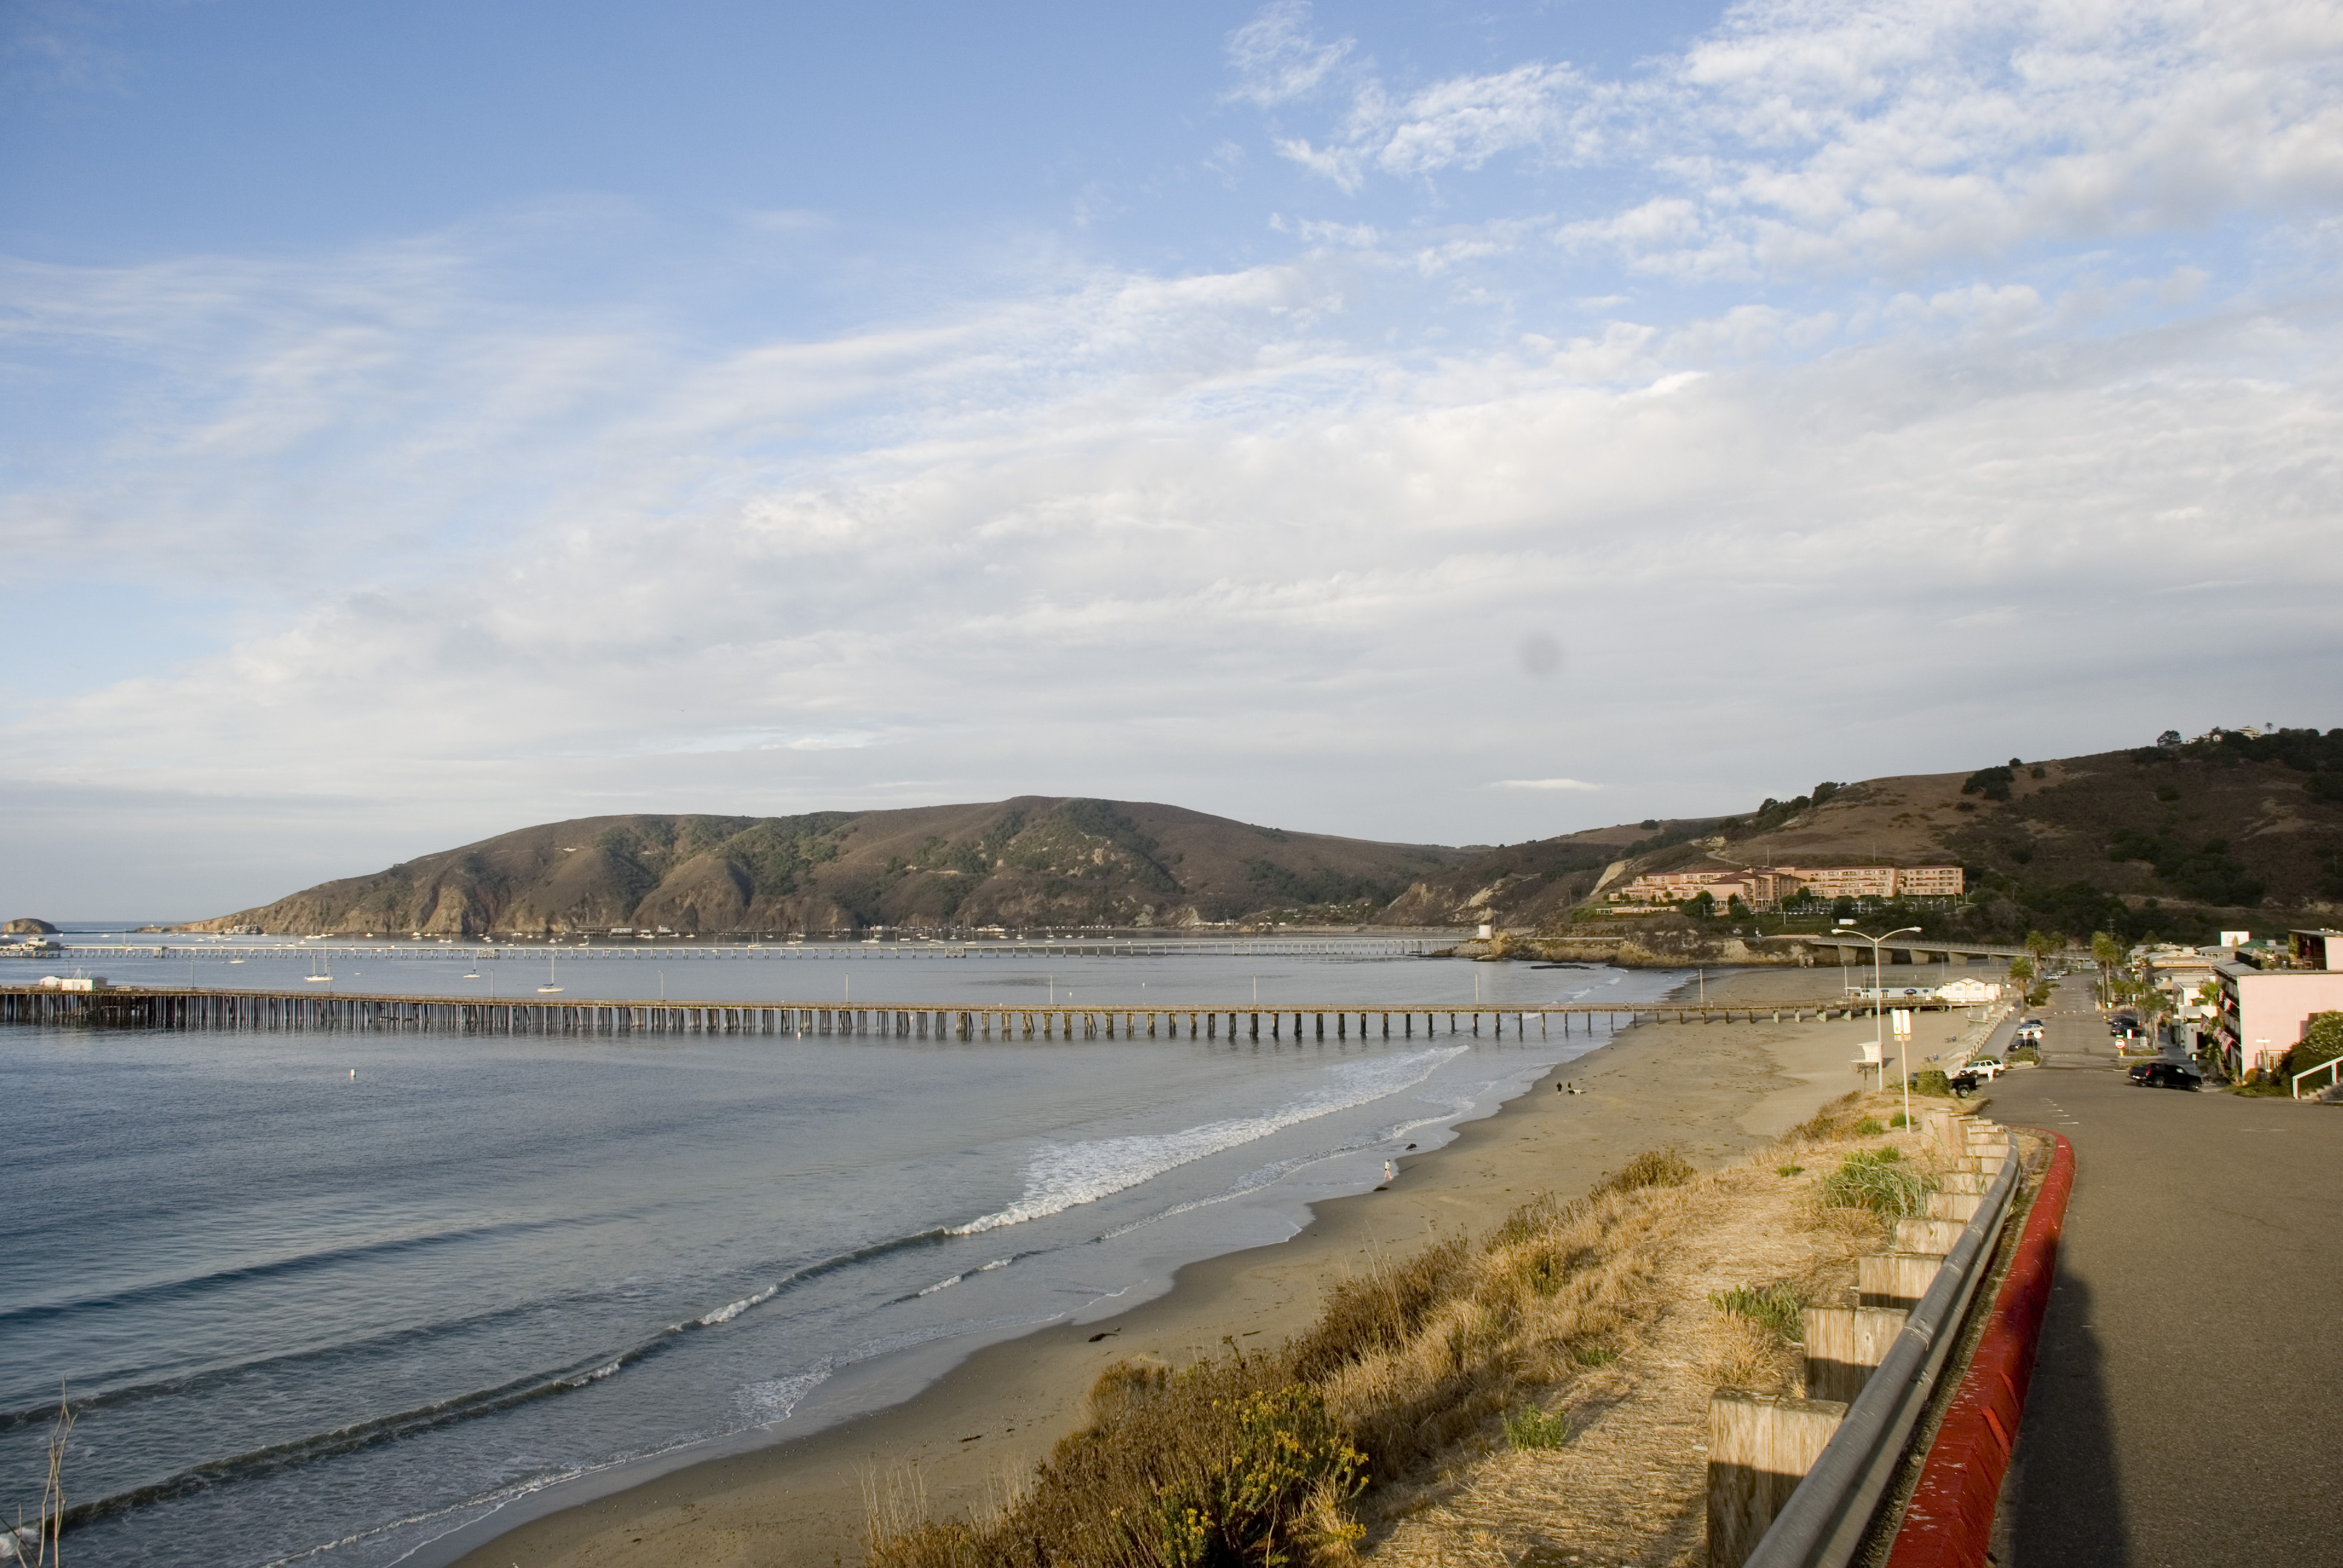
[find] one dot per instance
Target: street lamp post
(1878, 1000)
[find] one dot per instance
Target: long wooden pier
(305, 1012)
(472, 949)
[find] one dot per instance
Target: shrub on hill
(1993, 783)
(2209, 874)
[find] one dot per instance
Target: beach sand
(1712, 1090)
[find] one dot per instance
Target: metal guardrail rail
(1827, 1519)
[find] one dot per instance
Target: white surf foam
(726, 1313)
(763, 1403)
(1063, 1175)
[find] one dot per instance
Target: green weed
(1776, 1306)
(1881, 1181)
(1531, 1428)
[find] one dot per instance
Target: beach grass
(1421, 1367)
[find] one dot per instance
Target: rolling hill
(1033, 861)
(2178, 839)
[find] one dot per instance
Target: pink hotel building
(1763, 888)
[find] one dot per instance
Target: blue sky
(1418, 421)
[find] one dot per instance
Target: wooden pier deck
(131, 1007)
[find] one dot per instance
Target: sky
(1429, 422)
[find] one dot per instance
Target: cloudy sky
(1424, 421)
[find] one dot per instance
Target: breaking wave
(1064, 1175)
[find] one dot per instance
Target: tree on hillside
(1701, 906)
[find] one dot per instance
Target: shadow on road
(2062, 1506)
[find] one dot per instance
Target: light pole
(1878, 1000)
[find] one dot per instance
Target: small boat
(314, 978)
(548, 988)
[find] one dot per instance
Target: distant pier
(261, 1011)
(665, 948)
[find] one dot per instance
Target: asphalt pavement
(2188, 1406)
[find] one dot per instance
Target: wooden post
(1760, 1446)
(1844, 1344)
(1895, 1279)
(1930, 1235)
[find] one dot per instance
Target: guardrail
(1949, 1524)
(1826, 1519)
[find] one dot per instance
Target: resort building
(1766, 887)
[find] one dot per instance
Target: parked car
(2166, 1075)
(1964, 1083)
(1990, 1066)
(2028, 1033)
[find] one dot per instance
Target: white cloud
(1805, 136)
(1276, 60)
(1275, 540)
(1156, 534)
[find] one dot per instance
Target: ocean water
(307, 1316)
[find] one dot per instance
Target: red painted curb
(1949, 1524)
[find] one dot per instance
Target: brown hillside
(1026, 861)
(1522, 885)
(2181, 840)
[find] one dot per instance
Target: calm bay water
(308, 1316)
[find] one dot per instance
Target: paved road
(2187, 1408)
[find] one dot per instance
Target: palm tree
(2108, 954)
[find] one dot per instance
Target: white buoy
(354, 1075)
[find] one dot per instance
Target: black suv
(2165, 1075)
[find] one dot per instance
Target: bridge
(130, 1007)
(1915, 949)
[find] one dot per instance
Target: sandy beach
(1712, 1090)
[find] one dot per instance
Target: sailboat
(326, 977)
(548, 988)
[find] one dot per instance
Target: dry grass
(1533, 1396)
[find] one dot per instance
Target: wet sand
(1715, 1091)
